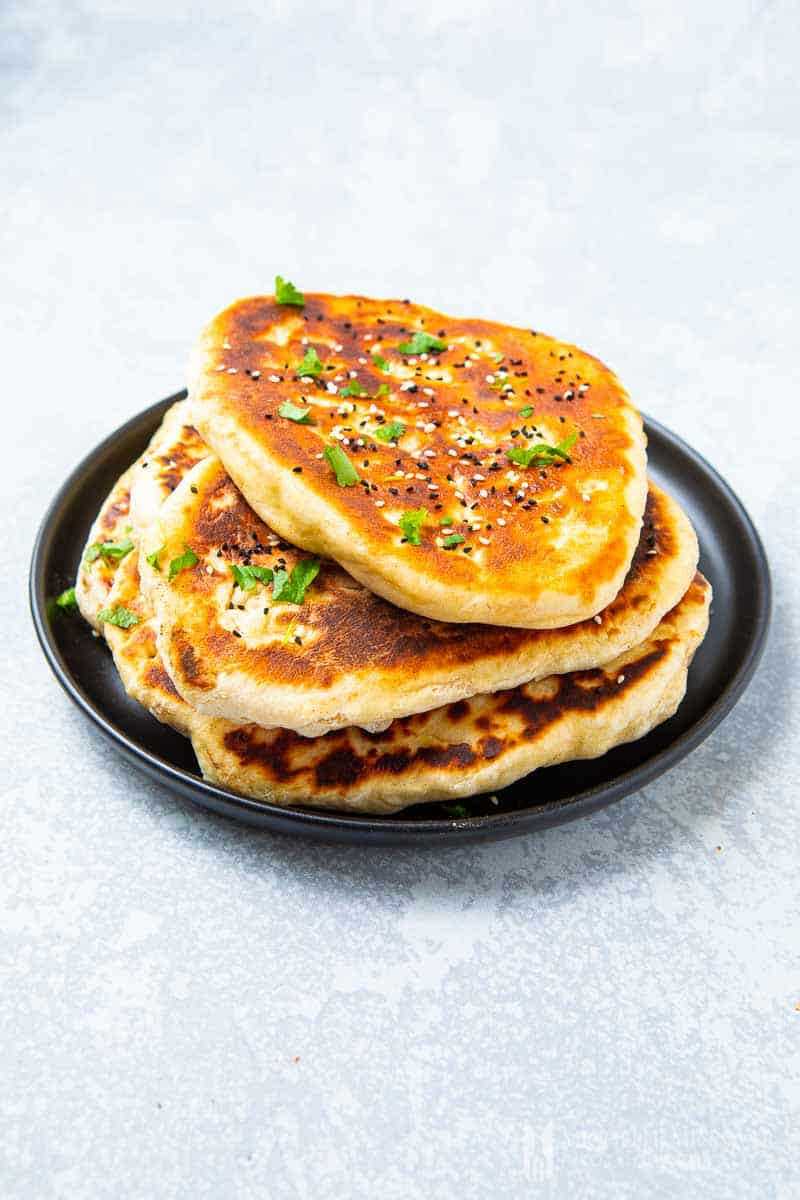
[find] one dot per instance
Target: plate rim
(368, 828)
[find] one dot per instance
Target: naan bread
(477, 745)
(345, 656)
(174, 449)
(105, 548)
(536, 546)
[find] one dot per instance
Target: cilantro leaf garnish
(411, 522)
(154, 557)
(453, 539)
(422, 343)
(390, 432)
(119, 615)
(294, 413)
(354, 388)
(287, 293)
(380, 362)
(383, 390)
(291, 589)
(527, 411)
(445, 520)
(310, 364)
(182, 562)
(542, 455)
(247, 577)
(109, 551)
(67, 601)
(337, 460)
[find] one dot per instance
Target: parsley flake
(527, 411)
(310, 364)
(67, 601)
(153, 558)
(182, 562)
(391, 432)
(380, 362)
(337, 460)
(291, 589)
(287, 293)
(445, 520)
(542, 455)
(354, 388)
(422, 343)
(120, 616)
(247, 577)
(294, 413)
(109, 551)
(458, 811)
(411, 522)
(454, 539)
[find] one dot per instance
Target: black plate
(731, 555)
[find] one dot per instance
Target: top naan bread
(536, 546)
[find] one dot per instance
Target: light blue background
(611, 1009)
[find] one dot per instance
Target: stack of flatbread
(382, 556)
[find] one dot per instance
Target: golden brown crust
(543, 547)
(346, 656)
(476, 745)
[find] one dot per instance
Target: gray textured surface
(190, 1009)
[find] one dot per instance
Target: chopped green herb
(290, 631)
(337, 460)
(154, 557)
(294, 413)
(287, 293)
(501, 383)
(411, 522)
(66, 601)
(391, 432)
(109, 551)
(458, 811)
(542, 455)
(182, 562)
(291, 589)
(383, 390)
(527, 411)
(310, 364)
(247, 577)
(353, 388)
(422, 343)
(120, 616)
(380, 363)
(445, 520)
(453, 539)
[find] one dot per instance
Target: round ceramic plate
(731, 556)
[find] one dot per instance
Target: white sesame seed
(484, 541)
(274, 378)
(453, 453)
(379, 503)
(226, 345)
(428, 392)
(501, 521)
(221, 367)
(430, 453)
(490, 378)
(585, 497)
(255, 374)
(407, 386)
(452, 412)
(315, 456)
(599, 416)
(232, 371)
(650, 552)
(429, 428)
(433, 487)
(209, 570)
(331, 387)
(338, 347)
(423, 358)
(620, 679)
(367, 337)
(598, 620)
(483, 493)
(412, 362)
(363, 362)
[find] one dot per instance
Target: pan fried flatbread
(464, 470)
(476, 745)
(345, 656)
